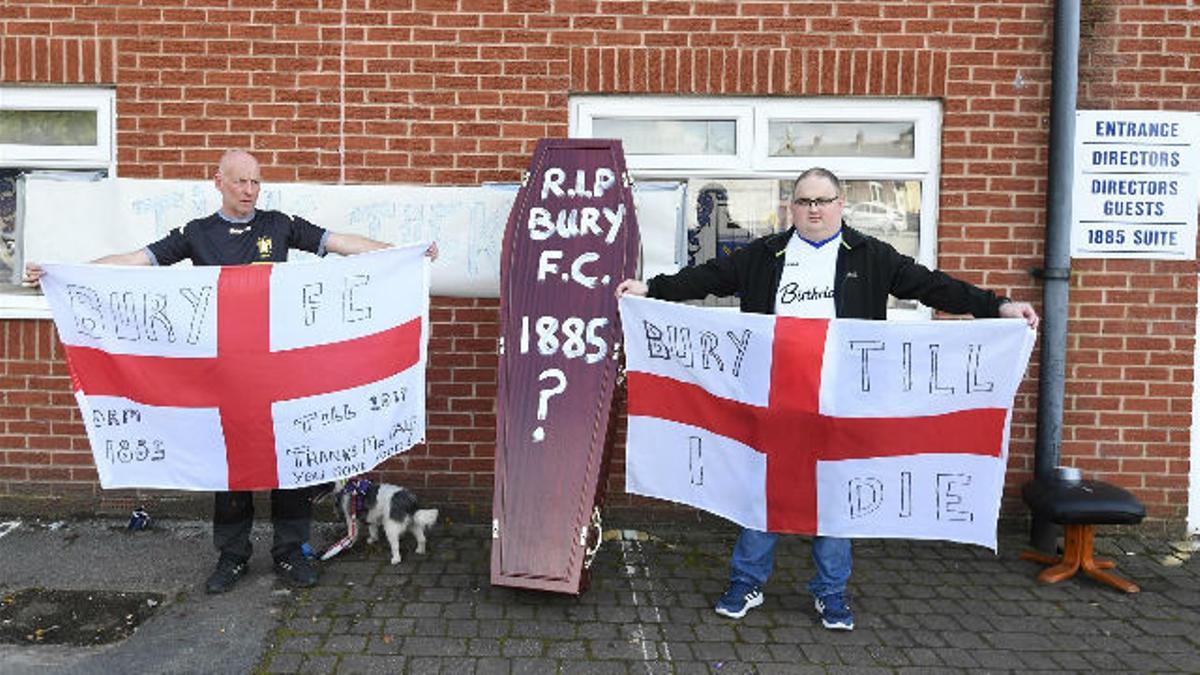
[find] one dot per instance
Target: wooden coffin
(572, 236)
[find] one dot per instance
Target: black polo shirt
(266, 237)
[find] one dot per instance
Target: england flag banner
(246, 377)
(843, 427)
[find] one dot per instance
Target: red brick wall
(458, 92)
(41, 446)
(1132, 324)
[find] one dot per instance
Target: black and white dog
(380, 505)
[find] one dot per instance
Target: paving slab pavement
(920, 607)
(188, 632)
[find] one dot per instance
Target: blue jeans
(754, 557)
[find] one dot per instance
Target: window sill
(29, 305)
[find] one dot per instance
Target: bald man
(239, 234)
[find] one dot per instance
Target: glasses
(805, 202)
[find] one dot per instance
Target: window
(55, 128)
(668, 134)
(739, 156)
(701, 137)
(802, 138)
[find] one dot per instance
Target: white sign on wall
(1135, 184)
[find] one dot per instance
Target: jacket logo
(264, 247)
(851, 275)
(239, 230)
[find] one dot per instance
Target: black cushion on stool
(1084, 502)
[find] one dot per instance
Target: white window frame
(101, 156)
(753, 161)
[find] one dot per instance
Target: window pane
(8, 228)
(889, 210)
(669, 137)
(48, 127)
(725, 214)
(840, 139)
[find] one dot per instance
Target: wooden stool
(1079, 506)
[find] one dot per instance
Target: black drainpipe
(1064, 77)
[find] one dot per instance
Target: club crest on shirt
(264, 247)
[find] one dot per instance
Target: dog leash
(356, 489)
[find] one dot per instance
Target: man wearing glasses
(819, 268)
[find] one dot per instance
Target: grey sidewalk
(920, 607)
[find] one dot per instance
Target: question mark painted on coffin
(544, 398)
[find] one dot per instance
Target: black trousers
(233, 516)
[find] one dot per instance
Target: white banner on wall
(72, 221)
(1135, 184)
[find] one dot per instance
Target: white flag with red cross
(842, 427)
(246, 377)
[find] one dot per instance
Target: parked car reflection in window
(876, 216)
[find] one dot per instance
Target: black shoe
(229, 570)
(296, 570)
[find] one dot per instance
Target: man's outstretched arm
(34, 271)
(344, 243)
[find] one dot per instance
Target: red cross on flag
(249, 377)
(842, 427)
